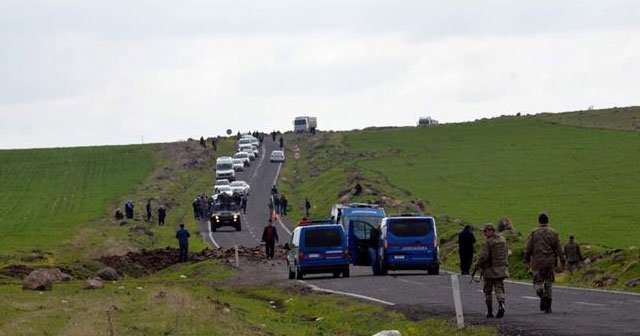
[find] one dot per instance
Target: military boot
(547, 308)
(489, 311)
(543, 304)
(501, 309)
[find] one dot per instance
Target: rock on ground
(43, 279)
(95, 283)
(108, 274)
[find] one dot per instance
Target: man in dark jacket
(283, 205)
(374, 244)
(148, 210)
(307, 207)
(494, 265)
(270, 237)
(162, 214)
(466, 240)
(243, 204)
(183, 240)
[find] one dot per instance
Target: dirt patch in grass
(145, 262)
(16, 271)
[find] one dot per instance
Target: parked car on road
(318, 249)
(277, 156)
(221, 182)
(252, 154)
(244, 156)
(222, 189)
(240, 188)
(408, 242)
(238, 165)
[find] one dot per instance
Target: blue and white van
(316, 249)
(409, 242)
(358, 220)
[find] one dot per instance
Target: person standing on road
(466, 241)
(281, 142)
(374, 244)
(276, 204)
(243, 205)
(162, 214)
(183, 241)
(307, 207)
(541, 256)
(274, 191)
(270, 237)
(572, 251)
(493, 262)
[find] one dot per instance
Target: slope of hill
(474, 173)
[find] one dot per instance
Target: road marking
(318, 289)
(412, 282)
(565, 287)
(213, 240)
(255, 173)
(591, 304)
(530, 297)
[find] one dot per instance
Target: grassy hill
(586, 178)
(47, 193)
(56, 210)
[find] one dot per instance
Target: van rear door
(320, 246)
(412, 240)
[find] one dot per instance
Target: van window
(319, 238)
(371, 220)
(225, 166)
(410, 227)
(300, 122)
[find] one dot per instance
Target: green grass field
(47, 193)
(586, 179)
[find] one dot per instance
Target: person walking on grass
(494, 265)
(162, 214)
(183, 241)
(572, 251)
(541, 256)
(283, 205)
(270, 237)
(466, 241)
(307, 207)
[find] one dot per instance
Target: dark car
(225, 212)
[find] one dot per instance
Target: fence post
(455, 285)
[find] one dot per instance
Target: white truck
(224, 168)
(305, 124)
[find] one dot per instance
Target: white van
(224, 168)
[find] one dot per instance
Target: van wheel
(345, 273)
(299, 274)
(435, 270)
(336, 274)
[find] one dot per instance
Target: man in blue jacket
(183, 240)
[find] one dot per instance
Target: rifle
(473, 274)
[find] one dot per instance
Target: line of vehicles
(229, 192)
(404, 242)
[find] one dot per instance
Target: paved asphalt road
(576, 311)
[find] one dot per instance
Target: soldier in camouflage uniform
(541, 255)
(494, 265)
(572, 252)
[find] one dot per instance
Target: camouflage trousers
(543, 282)
(489, 286)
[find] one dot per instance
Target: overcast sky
(112, 72)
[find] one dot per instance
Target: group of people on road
(543, 251)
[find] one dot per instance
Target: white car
(244, 156)
(238, 164)
(277, 156)
(221, 182)
(222, 189)
(240, 188)
(252, 155)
